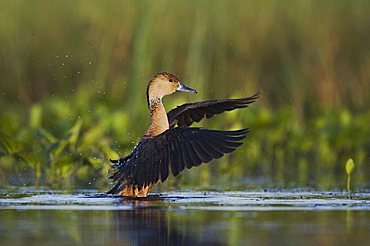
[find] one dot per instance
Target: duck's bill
(184, 88)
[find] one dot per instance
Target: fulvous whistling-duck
(165, 147)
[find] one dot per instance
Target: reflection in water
(154, 221)
(148, 225)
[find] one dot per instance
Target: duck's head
(163, 84)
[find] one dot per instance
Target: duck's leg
(134, 191)
(145, 190)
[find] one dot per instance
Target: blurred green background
(73, 76)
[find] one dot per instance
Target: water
(288, 217)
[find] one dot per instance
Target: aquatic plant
(68, 143)
(72, 89)
(350, 165)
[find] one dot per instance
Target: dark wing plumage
(188, 113)
(173, 151)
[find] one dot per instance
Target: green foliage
(350, 165)
(61, 150)
(9, 146)
(72, 88)
(73, 143)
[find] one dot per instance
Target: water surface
(287, 217)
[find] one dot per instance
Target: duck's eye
(171, 80)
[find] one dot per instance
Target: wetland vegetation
(73, 78)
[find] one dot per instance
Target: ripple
(233, 201)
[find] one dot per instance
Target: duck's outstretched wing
(153, 159)
(188, 113)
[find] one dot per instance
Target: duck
(170, 144)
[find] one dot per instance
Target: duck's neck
(158, 118)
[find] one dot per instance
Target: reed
(87, 67)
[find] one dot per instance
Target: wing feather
(188, 113)
(218, 146)
(165, 165)
(196, 160)
(175, 150)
